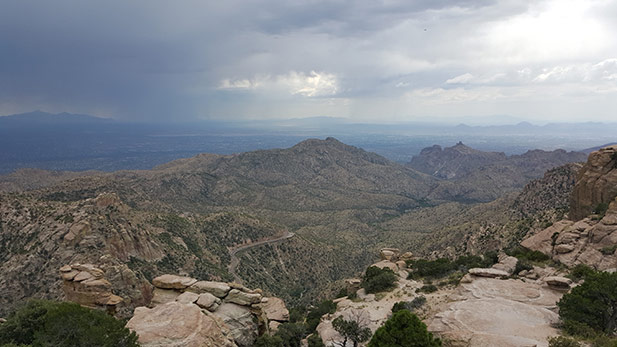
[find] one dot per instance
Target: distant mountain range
(79, 142)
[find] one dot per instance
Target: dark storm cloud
(157, 59)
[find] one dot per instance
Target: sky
(468, 61)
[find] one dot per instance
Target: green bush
(428, 288)
(268, 341)
(430, 268)
(314, 340)
(48, 323)
(291, 334)
(314, 315)
(412, 305)
(287, 335)
(441, 267)
(352, 330)
(378, 280)
(403, 329)
(601, 209)
(608, 250)
(593, 303)
(562, 341)
(580, 272)
(522, 265)
(604, 341)
(522, 253)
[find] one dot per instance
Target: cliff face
(589, 236)
(596, 184)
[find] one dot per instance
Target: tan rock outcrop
(506, 263)
(588, 241)
(208, 301)
(242, 298)
(187, 298)
(492, 312)
(275, 309)
(85, 285)
(240, 322)
(558, 281)
(173, 282)
(488, 272)
(163, 296)
(596, 183)
(177, 324)
(217, 289)
(389, 254)
(387, 264)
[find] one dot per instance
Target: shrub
(377, 280)
(431, 268)
(314, 340)
(442, 266)
(608, 250)
(562, 341)
(601, 209)
(403, 329)
(522, 253)
(268, 341)
(412, 305)
(593, 303)
(580, 272)
(428, 288)
(48, 323)
(604, 341)
(291, 334)
(522, 265)
(352, 330)
(341, 293)
(314, 315)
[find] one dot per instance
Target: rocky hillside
(453, 162)
(313, 175)
(195, 216)
(37, 237)
(475, 176)
(549, 192)
(591, 240)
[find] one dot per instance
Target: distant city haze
(479, 62)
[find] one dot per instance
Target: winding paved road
(233, 264)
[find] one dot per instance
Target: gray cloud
(388, 59)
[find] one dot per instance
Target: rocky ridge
(596, 183)
(187, 312)
(590, 239)
(469, 175)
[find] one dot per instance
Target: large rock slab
(218, 289)
(241, 298)
(163, 296)
(506, 263)
(558, 282)
(177, 325)
(208, 301)
(596, 183)
(492, 312)
(173, 282)
(387, 264)
(275, 309)
(240, 321)
(488, 272)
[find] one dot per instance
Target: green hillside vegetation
(63, 324)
